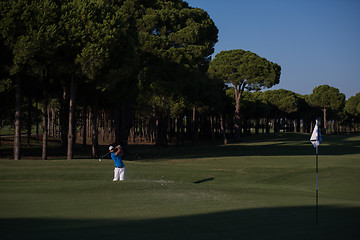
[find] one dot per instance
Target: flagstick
(317, 192)
(316, 139)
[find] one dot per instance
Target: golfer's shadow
(204, 180)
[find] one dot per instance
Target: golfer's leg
(116, 174)
(122, 174)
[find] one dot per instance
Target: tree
(254, 107)
(244, 70)
(93, 29)
(283, 103)
(326, 97)
(44, 40)
(29, 30)
(171, 31)
(352, 107)
(306, 113)
(12, 33)
(6, 87)
(175, 44)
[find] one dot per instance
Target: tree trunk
(164, 129)
(277, 125)
(177, 132)
(29, 122)
(171, 129)
(106, 125)
(188, 127)
(37, 122)
(117, 124)
(298, 123)
(325, 125)
(48, 119)
(132, 135)
(194, 125)
(238, 93)
(45, 123)
(157, 132)
(212, 128)
(123, 124)
(17, 137)
(45, 130)
(88, 125)
(64, 118)
(53, 121)
(102, 126)
(84, 125)
(257, 124)
(222, 127)
(71, 131)
(95, 132)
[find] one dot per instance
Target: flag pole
(317, 189)
(316, 139)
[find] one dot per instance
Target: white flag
(316, 136)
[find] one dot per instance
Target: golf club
(103, 156)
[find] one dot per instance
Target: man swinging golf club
(116, 155)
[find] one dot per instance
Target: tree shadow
(282, 145)
(262, 223)
(285, 144)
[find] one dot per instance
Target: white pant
(119, 174)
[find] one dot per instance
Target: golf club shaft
(104, 155)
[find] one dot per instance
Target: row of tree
(101, 53)
(261, 112)
(140, 68)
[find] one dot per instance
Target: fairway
(261, 188)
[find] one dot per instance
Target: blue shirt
(117, 160)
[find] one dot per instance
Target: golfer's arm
(119, 151)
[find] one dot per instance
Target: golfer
(116, 155)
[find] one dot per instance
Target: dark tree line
(140, 71)
(101, 55)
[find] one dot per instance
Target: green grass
(262, 188)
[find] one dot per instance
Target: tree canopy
(326, 98)
(108, 45)
(352, 106)
(244, 70)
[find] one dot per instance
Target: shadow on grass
(283, 144)
(204, 180)
(265, 223)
